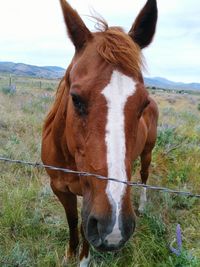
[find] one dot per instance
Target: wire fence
(82, 174)
(20, 83)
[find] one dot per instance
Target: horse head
(104, 125)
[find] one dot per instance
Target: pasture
(33, 229)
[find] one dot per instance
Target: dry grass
(33, 231)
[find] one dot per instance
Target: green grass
(33, 230)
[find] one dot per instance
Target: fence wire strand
(82, 174)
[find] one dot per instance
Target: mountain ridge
(55, 72)
(160, 82)
(22, 69)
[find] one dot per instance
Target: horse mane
(118, 49)
(62, 90)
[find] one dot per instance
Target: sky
(33, 32)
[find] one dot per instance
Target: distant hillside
(30, 70)
(50, 72)
(166, 84)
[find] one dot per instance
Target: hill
(167, 84)
(21, 69)
(53, 72)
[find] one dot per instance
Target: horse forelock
(119, 50)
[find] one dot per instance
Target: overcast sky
(33, 32)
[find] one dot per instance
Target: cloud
(34, 32)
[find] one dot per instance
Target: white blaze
(116, 94)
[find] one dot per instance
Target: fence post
(10, 81)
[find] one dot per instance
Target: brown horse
(101, 121)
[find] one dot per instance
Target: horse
(102, 120)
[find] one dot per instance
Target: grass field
(33, 229)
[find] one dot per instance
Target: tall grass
(33, 230)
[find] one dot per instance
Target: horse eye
(79, 104)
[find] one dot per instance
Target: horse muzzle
(105, 235)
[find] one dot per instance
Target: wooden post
(10, 81)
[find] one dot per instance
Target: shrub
(9, 90)
(180, 175)
(166, 136)
(19, 256)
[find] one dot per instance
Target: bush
(166, 136)
(19, 256)
(9, 90)
(180, 175)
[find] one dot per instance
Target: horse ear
(77, 30)
(143, 29)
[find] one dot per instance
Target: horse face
(102, 119)
(106, 100)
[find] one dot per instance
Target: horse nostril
(93, 232)
(92, 225)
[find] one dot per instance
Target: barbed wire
(79, 173)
